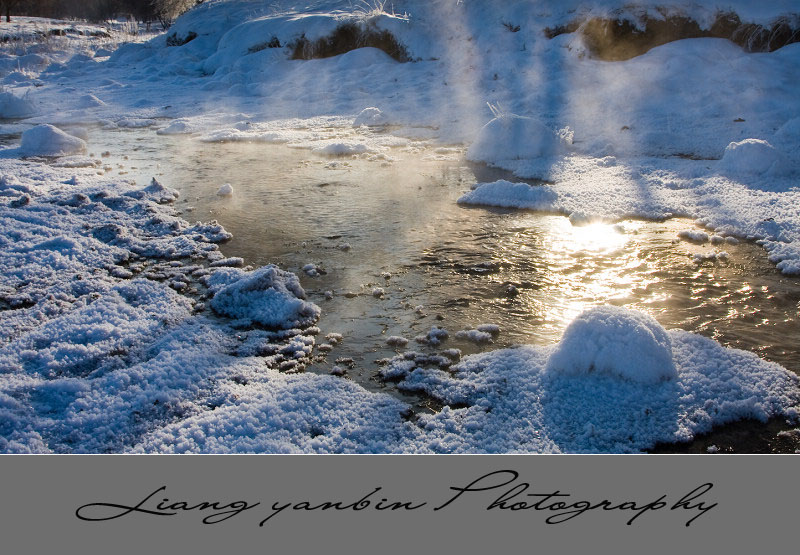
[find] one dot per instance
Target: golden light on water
(587, 265)
(593, 237)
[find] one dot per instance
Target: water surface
(395, 254)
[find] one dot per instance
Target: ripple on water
(458, 267)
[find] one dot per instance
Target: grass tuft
(175, 40)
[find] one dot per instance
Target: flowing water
(396, 255)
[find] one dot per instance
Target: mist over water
(371, 225)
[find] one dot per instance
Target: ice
(225, 190)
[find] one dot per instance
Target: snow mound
(46, 140)
(512, 137)
(512, 195)
(754, 156)
(370, 117)
(268, 296)
(12, 106)
(615, 341)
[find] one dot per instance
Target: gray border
(755, 499)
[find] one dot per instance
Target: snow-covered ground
(126, 329)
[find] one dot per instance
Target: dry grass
(346, 37)
(621, 39)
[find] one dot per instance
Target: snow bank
(615, 341)
(46, 140)
(268, 296)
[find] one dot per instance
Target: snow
(312, 270)
(268, 296)
(512, 137)
(694, 235)
(396, 341)
(434, 337)
(370, 117)
(505, 194)
(176, 127)
(47, 140)
(476, 336)
(113, 344)
(615, 341)
(12, 106)
(754, 156)
(526, 399)
(715, 256)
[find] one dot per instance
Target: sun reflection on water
(584, 266)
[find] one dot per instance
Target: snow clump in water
(615, 341)
(268, 296)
